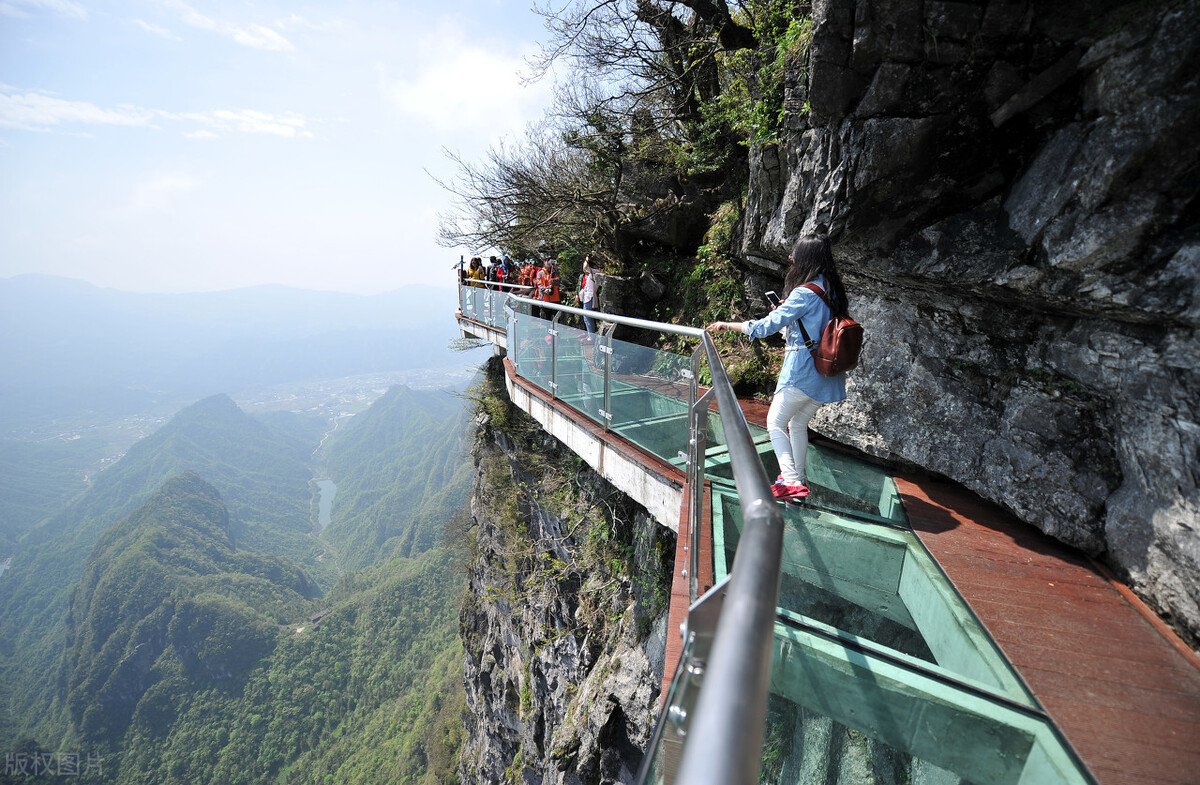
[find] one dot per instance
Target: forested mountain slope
(190, 661)
(401, 470)
(37, 479)
(181, 649)
(262, 476)
(165, 596)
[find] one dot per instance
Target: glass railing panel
(472, 302)
(648, 398)
(876, 584)
(496, 317)
(487, 314)
(530, 349)
(860, 717)
(499, 297)
(666, 747)
(482, 305)
(579, 371)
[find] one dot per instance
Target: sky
(171, 146)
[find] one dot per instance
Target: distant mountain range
(68, 344)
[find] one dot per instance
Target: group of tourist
(812, 295)
(539, 280)
(498, 271)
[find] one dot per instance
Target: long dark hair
(811, 257)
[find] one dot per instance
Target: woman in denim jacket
(800, 390)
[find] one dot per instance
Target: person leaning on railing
(800, 390)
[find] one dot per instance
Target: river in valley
(326, 489)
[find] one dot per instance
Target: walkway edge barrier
(724, 740)
(724, 736)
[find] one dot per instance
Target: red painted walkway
(1123, 689)
(680, 592)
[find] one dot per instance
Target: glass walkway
(880, 672)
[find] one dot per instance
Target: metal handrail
(724, 738)
(628, 321)
(502, 285)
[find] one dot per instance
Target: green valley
(183, 620)
(399, 468)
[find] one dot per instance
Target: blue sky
(166, 146)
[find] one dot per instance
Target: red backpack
(841, 341)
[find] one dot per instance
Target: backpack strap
(809, 343)
(820, 293)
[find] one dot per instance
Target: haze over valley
(85, 372)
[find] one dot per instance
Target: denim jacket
(798, 369)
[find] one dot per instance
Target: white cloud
(260, 37)
(460, 85)
(295, 21)
(252, 122)
(33, 111)
(160, 191)
(61, 7)
(155, 29)
(255, 36)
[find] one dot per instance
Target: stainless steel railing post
(606, 349)
(554, 354)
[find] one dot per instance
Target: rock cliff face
(1011, 188)
(563, 623)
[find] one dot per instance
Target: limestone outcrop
(563, 623)
(1011, 188)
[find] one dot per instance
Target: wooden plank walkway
(1124, 690)
(680, 591)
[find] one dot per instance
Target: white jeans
(787, 424)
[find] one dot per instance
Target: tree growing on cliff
(652, 118)
(548, 193)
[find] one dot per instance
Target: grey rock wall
(1011, 188)
(564, 648)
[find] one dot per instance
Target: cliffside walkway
(1122, 687)
(916, 625)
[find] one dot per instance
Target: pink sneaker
(783, 491)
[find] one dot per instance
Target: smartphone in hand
(772, 299)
